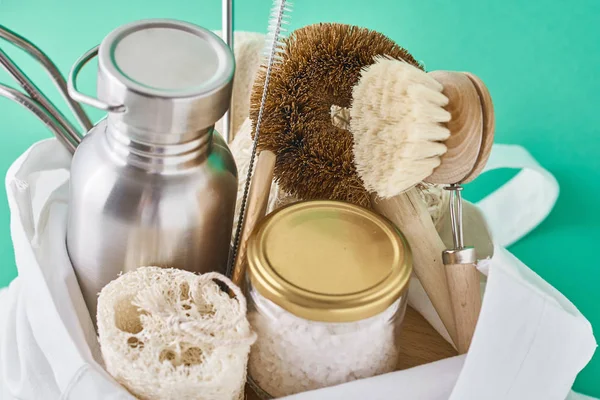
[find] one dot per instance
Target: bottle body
(135, 205)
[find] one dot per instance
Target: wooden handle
(465, 295)
(409, 213)
(256, 207)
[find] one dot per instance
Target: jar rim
(316, 276)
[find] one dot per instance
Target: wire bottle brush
(258, 184)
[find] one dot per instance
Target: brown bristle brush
(298, 144)
(321, 65)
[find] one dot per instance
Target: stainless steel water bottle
(153, 183)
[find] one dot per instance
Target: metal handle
(83, 98)
(456, 215)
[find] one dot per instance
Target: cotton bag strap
(521, 204)
(520, 348)
(511, 212)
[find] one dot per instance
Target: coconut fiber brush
(321, 64)
(298, 144)
(399, 118)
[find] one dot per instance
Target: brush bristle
(321, 64)
(397, 121)
(276, 32)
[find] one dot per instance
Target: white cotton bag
(530, 342)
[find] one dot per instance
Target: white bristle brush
(258, 184)
(396, 123)
(399, 123)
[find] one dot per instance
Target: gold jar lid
(329, 261)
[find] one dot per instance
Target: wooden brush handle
(409, 213)
(256, 207)
(465, 295)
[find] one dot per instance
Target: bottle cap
(329, 261)
(172, 77)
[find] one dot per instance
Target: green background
(539, 58)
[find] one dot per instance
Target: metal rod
(227, 27)
(52, 71)
(36, 94)
(456, 216)
(39, 111)
(84, 98)
(228, 22)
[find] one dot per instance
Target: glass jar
(326, 289)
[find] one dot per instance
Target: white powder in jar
(293, 355)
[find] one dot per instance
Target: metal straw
(39, 111)
(456, 218)
(36, 94)
(227, 27)
(52, 71)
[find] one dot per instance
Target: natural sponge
(172, 334)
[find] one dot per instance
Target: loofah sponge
(172, 334)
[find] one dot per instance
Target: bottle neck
(159, 153)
